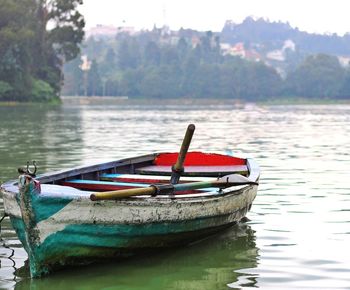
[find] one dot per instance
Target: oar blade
(235, 179)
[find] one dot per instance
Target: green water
(299, 229)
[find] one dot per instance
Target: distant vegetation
(255, 60)
(36, 38)
(143, 67)
(160, 64)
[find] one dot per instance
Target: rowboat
(119, 208)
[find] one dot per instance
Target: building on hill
(239, 50)
(277, 55)
(195, 40)
(344, 61)
(109, 31)
(280, 54)
(253, 55)
(234, 50)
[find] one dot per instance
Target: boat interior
(151, 169)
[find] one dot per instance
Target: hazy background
(313, 16)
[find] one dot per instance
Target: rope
(3, 217)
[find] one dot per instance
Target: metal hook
(35, 167)
(32, 173)
(28, 171)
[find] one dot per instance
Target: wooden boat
(118, 208)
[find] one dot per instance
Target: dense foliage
(153, 65)
(319, 76)
(150, 65)
(36, 38)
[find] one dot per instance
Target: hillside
(266, 35)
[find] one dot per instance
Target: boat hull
(81, 231)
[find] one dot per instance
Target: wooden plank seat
(141, 178)
(202, 171)
(100, 185)
(95, 185)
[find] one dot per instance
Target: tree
(344, 92)
(169, 56)
(210, 48)
(15, 39)
(151, 54)
(182, 48)
(233, 80)
(36, 38)
(109, 63)
(129, 82)
(94, 85)
(319, 76)
(129, 54)
(207, 82)
(73, 78)
(59, 30)
(5, 90)
(112, 86)
(191, 66)
(161, 82)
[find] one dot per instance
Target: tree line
(149, 66)
(36, 38)
(143, 66)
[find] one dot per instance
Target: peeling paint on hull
(71, 240)
(85, 243)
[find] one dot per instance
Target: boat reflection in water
(218, 262)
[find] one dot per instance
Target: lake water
(298, 236)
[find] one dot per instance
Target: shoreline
(124, 100)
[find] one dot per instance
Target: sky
(315, 16)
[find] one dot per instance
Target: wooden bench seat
(94, 185)
(195, 170)
(141, 178)
(101, 185)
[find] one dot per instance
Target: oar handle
(179, 165)
(123, 193)
(169, 189)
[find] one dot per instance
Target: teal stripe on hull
(19, 227)
(85, 242)
(46, 206)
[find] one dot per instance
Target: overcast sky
(321, 16)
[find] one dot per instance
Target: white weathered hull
(137, 210)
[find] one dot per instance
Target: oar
(223, 182)
(178, 167)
